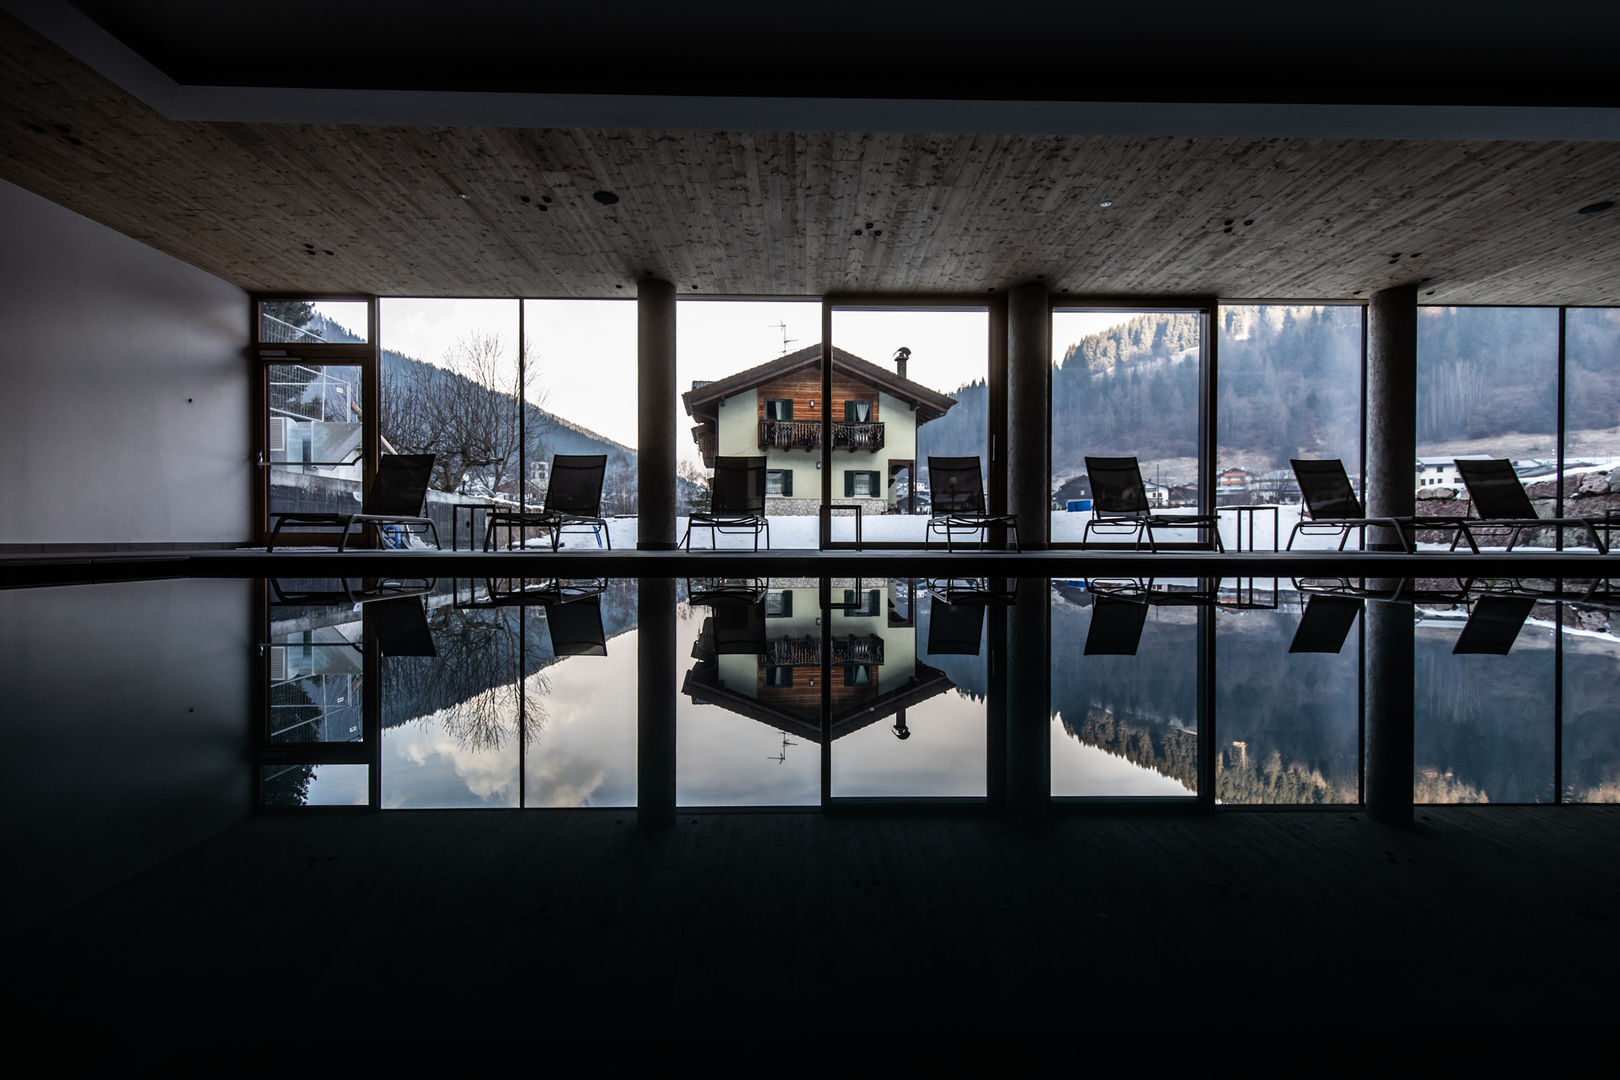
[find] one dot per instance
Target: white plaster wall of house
(128, 398)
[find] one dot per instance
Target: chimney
(901, 355)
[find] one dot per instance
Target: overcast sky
(586, 367)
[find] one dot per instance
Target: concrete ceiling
(961, 197)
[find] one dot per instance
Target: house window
(861, 484)
(779, 676)
(858, 412)
(779, 605)
(779, 481)
(858, 604)
(778, 408)
(857, 674)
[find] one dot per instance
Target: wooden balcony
(806, 651)
(806, 435)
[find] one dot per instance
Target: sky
(586, 349)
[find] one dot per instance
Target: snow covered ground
(800, 531)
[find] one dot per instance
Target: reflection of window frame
(778, 408)
(783, 479)
(860, 675)
(779, 604)
(852, 407)
(778, 676)
(868, 605)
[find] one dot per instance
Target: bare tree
(466, 412)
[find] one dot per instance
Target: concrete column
(1029, 413)
(655, 703)
(1387, 691)
(1391, 409)
(1028, 715)
(655, 414)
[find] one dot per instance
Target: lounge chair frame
(736, 502)
(1499, 498)
(956, 493)
(1332, 507)
(573, 502)
(395, 497)
(1120, 506)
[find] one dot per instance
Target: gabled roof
(703, 401)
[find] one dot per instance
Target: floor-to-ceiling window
(1127, 383)
(1487, 387)
(1289, 387)
(747, 380)
(910, 383)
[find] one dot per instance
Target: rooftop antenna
(781, 757)
(786, 341)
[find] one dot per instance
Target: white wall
(127, 395)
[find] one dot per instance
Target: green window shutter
(787, 482)
(849, 483)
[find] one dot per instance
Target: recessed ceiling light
(462, 195)
(1596, 208)
(1106, 203)
(606, 198)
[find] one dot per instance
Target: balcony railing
(806, 435)
(806, 651)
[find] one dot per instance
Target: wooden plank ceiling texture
(379, 209)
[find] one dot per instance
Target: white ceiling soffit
(77, 34)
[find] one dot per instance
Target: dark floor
(446, 926)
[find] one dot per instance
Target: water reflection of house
(764, 660)
(775, 409)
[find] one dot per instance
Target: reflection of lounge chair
(956, 489)
(1501, 502)
(573, 501)
(395, 498)
(400, 626)
(1494, 624)
(954, 629)
(736, 501)
(575, 626)
(1326, 624)
(1331, 506)
(738, 628)
(1119, 502)
(1116, 626)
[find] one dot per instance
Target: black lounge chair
(1119, 501)
(1501, 502)
(400, 627)
(736, 501)
(1331, 506)
(395, 498)
(956, 488)
(573, 501)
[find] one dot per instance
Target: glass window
(451, 387)
(580, 397)
(1290, 387)
(860, 483)
(298, 322)
(908, 384)
(748, 379)
(1125, 384)
(1487, 388)
(778, 482)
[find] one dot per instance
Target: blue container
(1077, 505)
